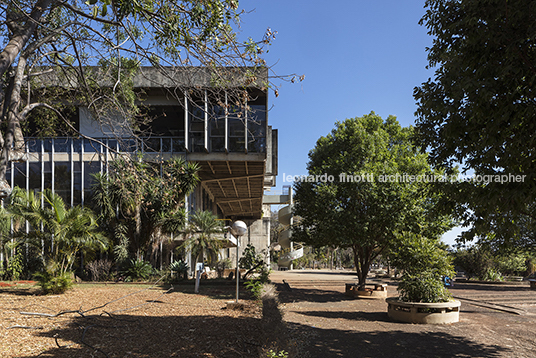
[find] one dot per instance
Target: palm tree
(59, 231)
(199, 236)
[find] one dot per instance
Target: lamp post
(239, 228)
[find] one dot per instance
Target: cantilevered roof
(236, 187)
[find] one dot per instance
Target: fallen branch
(143, 304)
(24, 327)
(51, 315)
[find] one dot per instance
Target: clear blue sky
(357, 56)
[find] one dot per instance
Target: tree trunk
(362, 266)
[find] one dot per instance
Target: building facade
(234, 146)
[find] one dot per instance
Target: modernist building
(236, 150)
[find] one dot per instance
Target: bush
(249, 258)
(54, 284)
(222, 265)
(178, 269)
(100, 270)
(139, 269)
(424, 287)
(15, 266)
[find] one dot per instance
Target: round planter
(378, 291)
(427, 313)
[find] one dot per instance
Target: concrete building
(235, 148)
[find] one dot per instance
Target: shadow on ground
(155, 337)
(309, 295)
(328, 343)
(354, 316)
(488, 287)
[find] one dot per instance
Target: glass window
(62, 180)
(90, 146)
(35, 176)
(257, 128)
(47, 144)
(19, 177)
(196, 117)
(34, 145)
(62, 145)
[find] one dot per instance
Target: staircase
(291, 251)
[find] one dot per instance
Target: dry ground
(334, 325)
(127, 320)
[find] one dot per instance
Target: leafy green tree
(88, 52)
(141, 203)
(201, 236)
(365, 213)
(415, 254)
(478, 112)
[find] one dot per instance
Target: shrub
(179, 268)
(100, 270)
(139, 269)
(15, 266)
(54, 284)
(423, 287)
(222, 265)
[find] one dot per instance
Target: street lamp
(239, 228)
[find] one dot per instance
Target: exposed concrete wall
(258, 236)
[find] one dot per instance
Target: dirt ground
(126, 320)
(495, 320)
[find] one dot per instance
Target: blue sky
(357, 56)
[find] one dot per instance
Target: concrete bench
(532, 283)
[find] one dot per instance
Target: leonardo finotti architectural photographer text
(403, 178)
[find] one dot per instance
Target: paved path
(331, 324)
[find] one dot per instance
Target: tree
(59, 232)
(479, 110)
(60, 54)
(141, 203)
(356, 195)
(199, 236)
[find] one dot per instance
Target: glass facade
(65, 164)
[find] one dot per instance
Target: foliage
(492, 275)
(141, 202)
(87, 54)
(51, 282)
(200, 236)
(139, 269)
(179, 268)
(258, 285)
(276, 354)
(481, 262)
(223, 265)
(415, 254)
(100, 270)
(511, 265)
(255, 287)
(475, 261)
(57, 231)
(15, 266)
(478, 112)
(422, 287)
(366, 212)
(424, 262)
(250, 258)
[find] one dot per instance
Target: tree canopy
(478, 112)
(90, 51)
(139, 203)
(367, 183)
